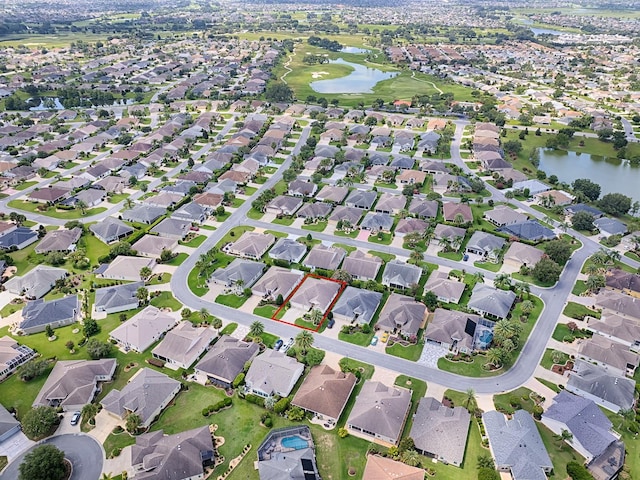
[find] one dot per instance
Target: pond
(545, 31)
(612, 174)
(355, 50)
(361, 80)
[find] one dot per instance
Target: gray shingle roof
(111, 228)
(227, 357)
(40, 313)
(358, 304)
(288, 249)
(377, 221)
(401, 273)
(597, 381)
(239, 270)
(529, 230)
(402, 313)
(143, 213)
(488, 299)
(37, 282)
(117, 296)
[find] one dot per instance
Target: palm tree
(316, 316)
(527, 307)
(415, 256)
(128, 202)
(216, 323)
(204, 314)
(142, 294)
(470, 396)
(595, 283)
(145, 273)
(256, 329)
(82, 206)
(458, 219)
(411, 458)
(502, 280)
(494, 357)
(304, 341)
(522, 288)
(479, 276)
(591, 269)
(564, 436)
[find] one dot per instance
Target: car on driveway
(278, 345)
(75, 418)
(374, 341)
(384, 337)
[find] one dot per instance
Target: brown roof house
(225, 360)
(325, 392)
(315, 293)
(251, 245)
(447, 290)
(616, 357)
(454, 211)
(458, 331)
(74, 383)
(402, 314)
(379, 413)
(625, 282)
(59, 241)
(383, 468)
(522, 255)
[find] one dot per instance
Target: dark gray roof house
(143, 214)
(277, 461)
(181, 187)
(9, 425)
(377, 222)
(315, 210)
(156, 456)
(118, 298)
(591, 429)
(174, 228)
(490, 301)
(19, 238)
(344, 213)
(361, 199)
(399, 274)
(289, 250)
(440, 432)
(225, 360)
(60, 312)
(610, 226)
(423, 208)
(596, 383)
(529, 230)
(110, 230)
(486, 245)
(581, 207)
(191, 212)
(240, 274)
(357, 305)
(516, 445)
(402, 163)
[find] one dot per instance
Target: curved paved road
(84, 452)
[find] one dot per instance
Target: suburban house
(332, 194)
(411, 225)
(610, 226)
(225, 360)
(490, 301)
(522, 255)
(273, 373)
(18, 238)
(571, 210)
(35, 283)
(251, 245)
(503, 215)
(300, 188)
(423, 208)
(390, 204)
(315, 211)
(118, 298)
(445, 289)
(440, 432)
(288, 250)
(158, 456)
(362, 266)
(379, 413)
(183, 345)
(346, 214)
(377, 222)
(554, 197)
(412, 177)
(143, 329)
(614, 356)
(59, 241)
(384, 468)
(459, 331)
(457, 212)
(146, 395)
(192, 212)
(402, 315)
(278, 461)
(516, 445)
(617, 303)
(400, 275)
(12, 355)
(172, 228)
(356, 305)
(275, 282)
(618, 280)
(37, 314)
(361, 199)
(146, 214)
(619, 329)
(9, 425)
(449, 235)
(125, 267)
(530, 230)
(325, 392)
(326, 258)
(485, 245)
(592, 431)
(613, 392)
(283, 205)
(315, 293)
(110, 230)
(239, 274)
(48, 195)
(74, 383)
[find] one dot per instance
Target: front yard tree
(558, 250)
(582, 221)
(90, 327)
(546, 271)
(97, 349)
(45, 462)
(145, 273)
(256, 329)
(304, 341)
(133, 423)
(38, 422)
(142, 294)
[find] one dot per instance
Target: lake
(361, 80)
(355, 50)
(545, 31)
(612, 174)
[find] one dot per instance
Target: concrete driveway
(105, 424)
(83, 452)
(14, 445)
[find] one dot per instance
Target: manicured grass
(451, 255)
(268, 339)
(366, 369)
(562, 331)
(418, 390)
(233, 235)
(229, 329)
(3, 462)
(195, 242)
(346, 248)
(358, 338)
(94, 247)
(385, 239)
(64, 214)
(560, 452)
(265, 311)
(547, 358)
(276, 233)
(315, 227)
(492, 267)
(117, 197)
(352, 234)
(287, 221)
(632, 458)
(166, 300)
(178, 259)
(24, 260)
(579, 288)
(511, 401)
(579, 311)
(411, 352)
(25, 185)
(232, 300)
(549, 384)
(159, 279)
(386, 257)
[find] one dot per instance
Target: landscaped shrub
(255, 399)
(578, 471)
(281, 405)
(537, 412)
(238, 380)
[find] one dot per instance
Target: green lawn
(166, 300)
(560, 452)
(287, 221)
(549, 384)
(229, 329)
(233, 235)
(94, 248)
(632, 458)
(411, 352)
(178, 259)
(52, 212)
(386, 257)
(385, 239)
(265, 311)
(492, 267)
(25, 185)
(358, 338)
(457, 256)
(547, 358)
(194, 242)
(232, 300)
(579, 311)
(351, 234)
(117, 197)
(579, 288)
(515, 400)
(562, 331)
(418, 390)
(315, 227)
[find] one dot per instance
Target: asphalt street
(84, 453)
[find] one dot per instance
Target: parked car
(75, 418)
(278, 345)
(374, 341)
(384, 337)
(465, 257)
(331, 323)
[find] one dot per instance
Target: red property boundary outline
(343, 285)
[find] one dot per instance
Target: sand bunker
(318, 74)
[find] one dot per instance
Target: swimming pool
(296, 442)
